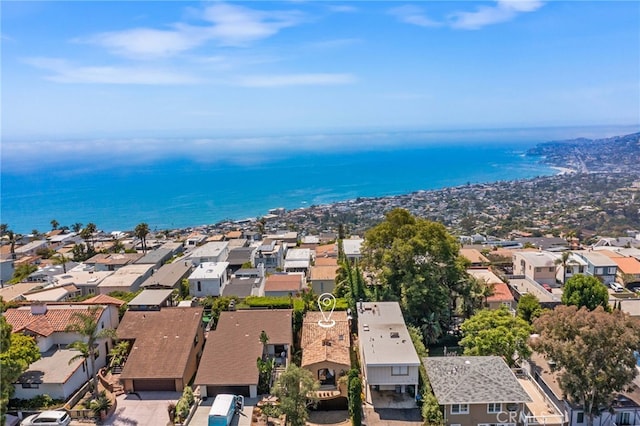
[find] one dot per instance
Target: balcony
(541, 410)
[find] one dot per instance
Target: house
(326, 250)
(475, 258)
(270, 254)
(283, 284)
(127, 279)
(14, 292)
(53, 294)
(112, 261)
(208, 279)
(298, 260)
(575, 265)
(238, 256)
(501, 294)
(599, 265)
(31, 248)
(228, 363)
(628, 271)
(625, 409)
(618, 242)
(170, 275)
(325, 352)
(151, 300)
(156, 257)
(389, 360)
(216, 251)
(165, 348)
(194, 239)
(289, 237)
(538, 266)
(352, 248)
(6, 270)
(483, 390)
(86, 280)
(54, 373)
(323, 279)
(47, 272)
(326, 261)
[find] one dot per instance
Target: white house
(208, 279)
(389, 360)
(52, 374)
(352, 247)
(270, 254)
(215, 251)
(298, 260)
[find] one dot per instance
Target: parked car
(48, 418)
(547, 287)
(617, 287)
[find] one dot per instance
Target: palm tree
(86, 325)
(61, 259)
(76, 227)
(87, 235)
(563, 261)
(141, 231)
(54, 224)
(83, 354)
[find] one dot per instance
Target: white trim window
(494, 407)
(459, 408)
(400, 370)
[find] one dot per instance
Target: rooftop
(323, 272)
(473, 380)
(209, 270)
(325, 344)
(283, 282)
(54, 318)
(151, 297)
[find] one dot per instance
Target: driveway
(201, 416)
(142, 409)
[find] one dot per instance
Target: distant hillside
(615, 154)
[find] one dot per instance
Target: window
(551, 269)
(611, 271)
(599, 271)
(459, 409)
(30, 385)
(580, 418)
(401, 370)
(538, 269)
(494, 407)
(512, 407)
(199, 286)
(623, 419)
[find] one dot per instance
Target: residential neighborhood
(232, 312)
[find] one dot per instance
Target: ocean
(181, 192)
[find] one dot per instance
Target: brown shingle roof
(230, 354)
(323, 272)
(283, 282)
(163, 341)
(325, 344)
(326, 261)
(55, 319)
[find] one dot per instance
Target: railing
(547, 419)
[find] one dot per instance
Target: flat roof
(155, 256)
(486, 275)
(52, 367)
(473, 255)
(151, 297)
(298, 254)
(211, 249)
(352, 246)
(537, 259)
(596, 258)
(125, 276)
(209, 270)
(383, 335)
(169, 274)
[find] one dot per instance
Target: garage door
(154, 385)
(234, 390)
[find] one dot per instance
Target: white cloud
(342, 8)
(225, 24)
(64, 72)
(503, 11)
(413, 15)
(295, 80)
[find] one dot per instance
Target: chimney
(38, 308)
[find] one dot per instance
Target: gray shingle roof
(473, 380)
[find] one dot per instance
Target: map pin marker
(326, 303)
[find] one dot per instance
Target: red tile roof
(55, 319)
(104, 299)
(501, 293)
(325, 344)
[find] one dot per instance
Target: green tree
(87, 234)
(22, 272)
(54, 224)
(295, 388)
(417, 261)
(61, 259)
(496, 332)
(585, 290)
(594, 352)
(76, 227)
(529, 308)
(17, 352)
(83, 354)
(431, 411)
(355, 397)
(563, 261)
(141, 232)
(87, 325)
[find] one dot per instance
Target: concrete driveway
(149, 409)
(201, 416)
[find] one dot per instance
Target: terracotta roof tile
(325, 344)
(501, 293)
(283, 282)
(55, 319)
(326, 261)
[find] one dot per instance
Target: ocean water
(181, 193)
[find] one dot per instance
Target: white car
(48, 418)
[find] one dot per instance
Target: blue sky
(87, 70)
